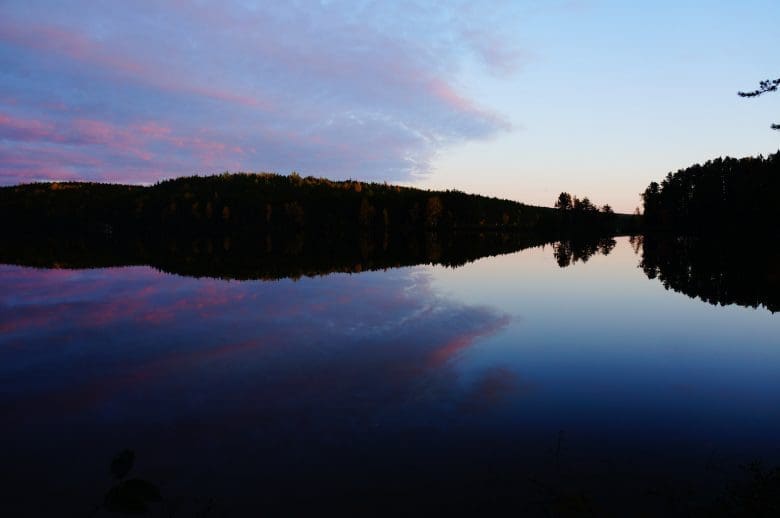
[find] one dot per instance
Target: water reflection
(247, 257)
(728, 270)
(390, 329)
(508, 380)
(581, 248)
(281, 371)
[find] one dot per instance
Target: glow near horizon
(514, 99)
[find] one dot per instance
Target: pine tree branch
(770, 85)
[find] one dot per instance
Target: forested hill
(726, 194)
(270, 204)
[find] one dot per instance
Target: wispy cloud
(153, 90)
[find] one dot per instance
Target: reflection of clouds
(450, 348)
(495, 386)
(165, 347)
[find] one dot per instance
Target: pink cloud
(55, 40)
(318, 89)
(38, 159)
(24, 129)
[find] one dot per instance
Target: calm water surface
(507, 376)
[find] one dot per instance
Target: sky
(516, 99)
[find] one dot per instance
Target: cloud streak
(149, 91)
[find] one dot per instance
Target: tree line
(725, 194)
(277, 205)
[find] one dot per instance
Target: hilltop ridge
(270, 203)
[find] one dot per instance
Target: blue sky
(514, 99)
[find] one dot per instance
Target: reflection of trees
(719, 271)
(267, 256)
(570, 251)
(636, 243)
(288, 387)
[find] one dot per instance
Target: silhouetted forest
(581, 216)
(697, 222)
(264, 226)
(268, 204)
(719, 271)
(726, 194)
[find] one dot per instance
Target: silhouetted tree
(564, 201)
(584, 205)
(770, 85)
(581, 216)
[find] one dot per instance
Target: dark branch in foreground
(770, 85)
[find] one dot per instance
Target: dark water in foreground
(425, 388)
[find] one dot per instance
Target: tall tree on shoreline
(770, 85)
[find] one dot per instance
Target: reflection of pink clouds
(85, 395)
(71, 284)
(33, 318)
(144, 304)
(37, 276)
(205, 303)
(73, 301)
(380, 334)
(451, 348)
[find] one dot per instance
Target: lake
(547, 380)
